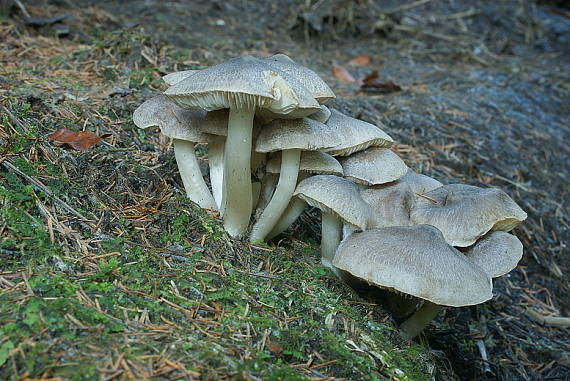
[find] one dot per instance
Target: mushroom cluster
(275, 149)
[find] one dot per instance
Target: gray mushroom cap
(178, 76)
(244, 82)
(333, 194)
(357, 135)
(311, 80)
(373, 166)
(420, 183)
(497, 253)
(464, 213)
(390, 204)
(304, 134)
(414, 260)
(173, 121)
(311, 162)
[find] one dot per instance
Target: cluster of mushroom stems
(275, 149)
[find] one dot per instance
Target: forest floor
(108, 272)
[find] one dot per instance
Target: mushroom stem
(191, 175)
(290, 215)
(419, 320)
(331, 233)
(290, 160)
(216, 163)
(268, 184)
(237, 174)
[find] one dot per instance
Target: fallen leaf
(360, 61)
(79, 141)
(341, 73)
(371, 83)
(275, 347)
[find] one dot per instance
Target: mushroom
(311, 80)
(392, 202)
(312, 162)
(339, 201)
(216, 126)
(420, 183)
(416, 261)
(245, 85)
(464, 213)
(183, 127)
(357, 135)
(290, 137)
(497, 253)
(373, 166)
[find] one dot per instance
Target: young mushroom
(312, 162)
(340, 202)
(464, 213)
(290, 137)
(183, 127)
(373, 166)
(416, 261)
(244, 85)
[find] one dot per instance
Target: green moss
(186, 292)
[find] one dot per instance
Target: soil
(474, 92)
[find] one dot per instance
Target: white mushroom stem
(189, 169)
(237, 174)
(290, 160)
(331, 233)
(419, 320)
(290, 215)
(216, 163)
(268, 184)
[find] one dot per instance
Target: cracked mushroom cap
(357, 135)
(414, 260)
(464, 213)
(373, 166)
(244, 82)
(304, 134)
(497, 253)
(311, 80)
(311, 162)
(333, 194)
(322, 115)
(178, 76)
(173, 121)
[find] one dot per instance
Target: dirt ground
(474, 92)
